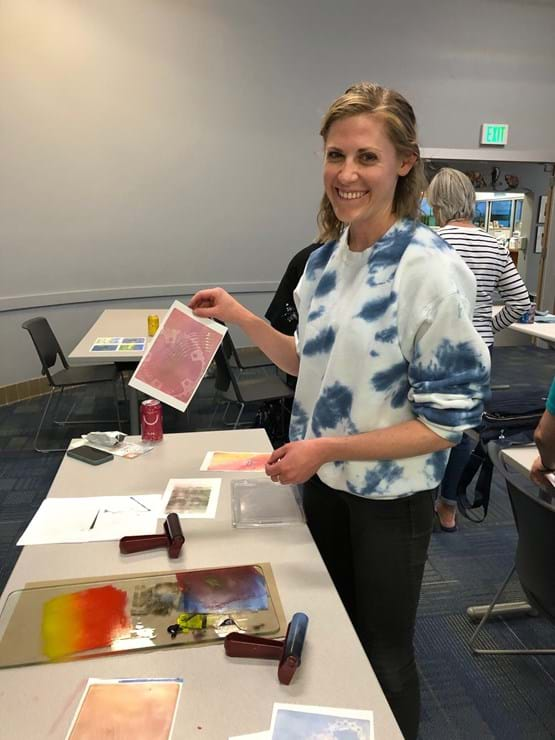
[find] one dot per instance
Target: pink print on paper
(178, 358)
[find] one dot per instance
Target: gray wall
(149, 147)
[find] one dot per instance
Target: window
(426, 213)
(480, 215)
(500, 215)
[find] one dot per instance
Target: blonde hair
(452, 196)
(400, 125)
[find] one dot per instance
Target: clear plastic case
(261, 503)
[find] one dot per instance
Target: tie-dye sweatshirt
(386, 336)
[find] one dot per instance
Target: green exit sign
(494, 133)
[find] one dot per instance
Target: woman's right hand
(216, 303)
(539, 474)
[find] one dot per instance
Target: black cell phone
(90, 455)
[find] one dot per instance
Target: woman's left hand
(296, 462)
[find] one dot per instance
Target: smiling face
(360, 174)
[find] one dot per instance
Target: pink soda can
(151, 421)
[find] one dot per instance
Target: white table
(115, 322)
(536, 330)
(521, 458)
(128, 322)
(221, 696)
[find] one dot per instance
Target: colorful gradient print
(252, 462)
(84, 620)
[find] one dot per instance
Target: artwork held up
(177, 360)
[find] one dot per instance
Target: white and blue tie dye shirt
(386, 336)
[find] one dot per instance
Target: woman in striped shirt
(452, 197)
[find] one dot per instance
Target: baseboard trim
(23, 390)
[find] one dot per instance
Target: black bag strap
(479, 461)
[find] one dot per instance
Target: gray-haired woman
(453, 200)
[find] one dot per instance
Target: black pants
(375, 552)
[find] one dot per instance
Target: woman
(390, 372)
(453, 200)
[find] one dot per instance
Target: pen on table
(138, 502)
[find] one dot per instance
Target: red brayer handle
(238, 645)
(139, 542)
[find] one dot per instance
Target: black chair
(244, 358)
(49, 352)
(534, 515)
(232, 388)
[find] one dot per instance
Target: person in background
(453, 200)
(390, 373)
(282, 312)
(544, 437)
(282, 315)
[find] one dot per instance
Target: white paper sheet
(191, 498)
(91, 519)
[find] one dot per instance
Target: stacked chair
(50, 353)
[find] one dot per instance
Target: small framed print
(541, 210)
(191, 498)
(538, 246)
